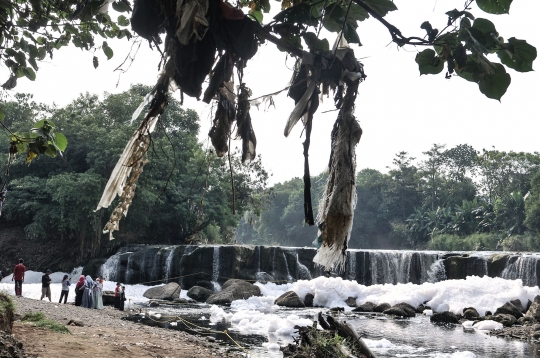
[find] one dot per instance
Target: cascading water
(390, 267)
(109, 269)
(215, 269)
(168, 263)
(289, 277)
(188, 251)
(436, 272)
(524, 268)
(351, 265)
(302, 271)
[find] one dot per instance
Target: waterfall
(351, 266)
(215, 269)
(187, 251)
(436, 272)
(524, 268)
(390, 267)
(302, 271)
(289, 277)
(109, 269)
(168, 263)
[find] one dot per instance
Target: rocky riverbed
(105, 333)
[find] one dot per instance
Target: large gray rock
(534, 310)
(506, 319)
(199, 294)
(381, 307)
(444, 317)
(519, 306)
(401, 309)
(234, 290)
(168, 292)
(366, 307)
(509, 308)
(470, 313)
(289, 299)
(308, 300)
(351, 302)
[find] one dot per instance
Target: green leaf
(123, 21)
(381, 7)
(258, 15)
(429, 63)
(495, 85)
(351, 35)
(519, 55)
(61, 141)
(50, 151)
(314, 43)
(2, 115)
(494, 6)
(107, 50)
(485, 26)
(29, 72)
(121, 6)
(358, 13)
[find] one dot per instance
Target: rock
(488, 313)
(108, 298)
(401, 309)
(506, 319)
(366, 307)
(308, 300)
(470, 313)
(351, 302)
(337, 309)
(536, 327)
(74, 322)
(534, 310)
(199, 294)
(509, 308)
(444, 317)
(206, 284)
(10, 347)
(519, 306)
(289, 299)
(525, 320)
(153, 304)
(234, 289)
(420, 309)
(381, 307)
(168, 292)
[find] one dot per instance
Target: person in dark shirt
(46, 285)
(18, 277)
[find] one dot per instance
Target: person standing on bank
(88, 294)
(98, 293)
(117, 296)
(18, 277)
(66, 282)
(79, 290)
(46, 285)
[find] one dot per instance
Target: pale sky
(398, 109)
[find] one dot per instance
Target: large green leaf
(356, 12)
(107, 50)
(61, 141)
(351, 35)
(494, 6)
(495, 85)
(429, 63)
(381, 7)
(518, 55)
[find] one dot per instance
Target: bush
(474, 242)
(527, 242)
(7, 312)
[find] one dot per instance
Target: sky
(398, 109)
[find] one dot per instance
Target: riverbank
(104, 333)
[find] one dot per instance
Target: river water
(387, 337)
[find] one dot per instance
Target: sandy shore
(105, 334)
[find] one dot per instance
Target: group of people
(88, 293)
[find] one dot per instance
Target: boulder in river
(168, 292)
(506, 319)
(366, 307)
(444, 317)
(308, 300)
(108, 298)
(534, 310)
(289, 299)
(234, 289)
(519, 306)
(401, 309)
(381, 307)
(470, 313)
(206, 284)
(509, 308)
(199, 293)
(351, 302)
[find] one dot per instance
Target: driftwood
(306, 344)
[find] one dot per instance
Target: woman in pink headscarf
(79, 289)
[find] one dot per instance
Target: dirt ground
(108, 342)
(106, 334)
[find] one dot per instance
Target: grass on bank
(38, 318)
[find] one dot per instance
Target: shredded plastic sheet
(192, 21)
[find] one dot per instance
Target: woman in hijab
(79, 289)
(88, 294)
(98, 293)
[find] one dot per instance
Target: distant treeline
(453, 199)
(184, 194)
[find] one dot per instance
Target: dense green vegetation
(38, 318)
(185, 193)
(452, 199)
